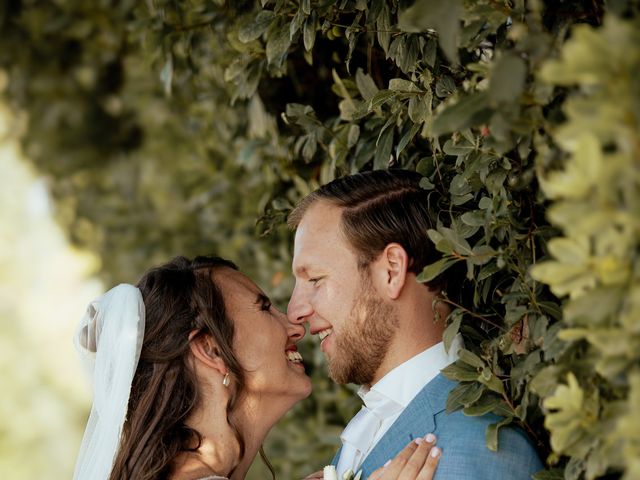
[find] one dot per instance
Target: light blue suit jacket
(462, 439)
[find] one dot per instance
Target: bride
(191, 369)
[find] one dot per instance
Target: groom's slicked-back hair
(379, 208)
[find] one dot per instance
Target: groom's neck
(418, 328)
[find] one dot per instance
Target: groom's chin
(339, 374)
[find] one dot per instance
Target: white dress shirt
(387, 399)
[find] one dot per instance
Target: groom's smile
(327, 277)
(323, 334)
(337, 298)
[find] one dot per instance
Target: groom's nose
(299, 309)
(295, 331)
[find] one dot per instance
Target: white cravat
(387, 399)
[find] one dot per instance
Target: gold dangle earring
(225, 380)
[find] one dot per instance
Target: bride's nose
(295, 332)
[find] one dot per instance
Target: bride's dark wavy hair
(180, 297)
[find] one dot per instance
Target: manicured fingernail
(419, 440)
(430, 437)
(388, 462)
(435, 452)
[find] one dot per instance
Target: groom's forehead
(320, 216)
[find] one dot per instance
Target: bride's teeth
(294, 357)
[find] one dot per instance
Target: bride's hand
(418, 461)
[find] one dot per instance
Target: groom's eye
(315, 280)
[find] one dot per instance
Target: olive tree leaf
(383, 151)
(309, 31)
(383, 27)
(380, 98)
(469, 110)
(256, 27)
(278, 45)
(492, 433)
(507, 78)
(406, 138)
(463, 395)
(432, 270)
(366, 85)
(461, 372)
(471, 358)
(443, 16)
(452, 329)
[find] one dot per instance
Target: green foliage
(169, 127)
(596, 201)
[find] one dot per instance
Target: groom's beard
(364, 339)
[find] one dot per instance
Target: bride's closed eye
(265, 303)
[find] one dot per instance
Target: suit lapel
(336, 457)
(415, 421)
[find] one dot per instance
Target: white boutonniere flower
(329, 473)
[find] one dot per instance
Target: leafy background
(166, 127)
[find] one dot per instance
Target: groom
(360, 242)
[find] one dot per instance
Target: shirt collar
(403, 383)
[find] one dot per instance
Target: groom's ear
(390, 270)
(206, 351)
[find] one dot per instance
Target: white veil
(109, 340)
